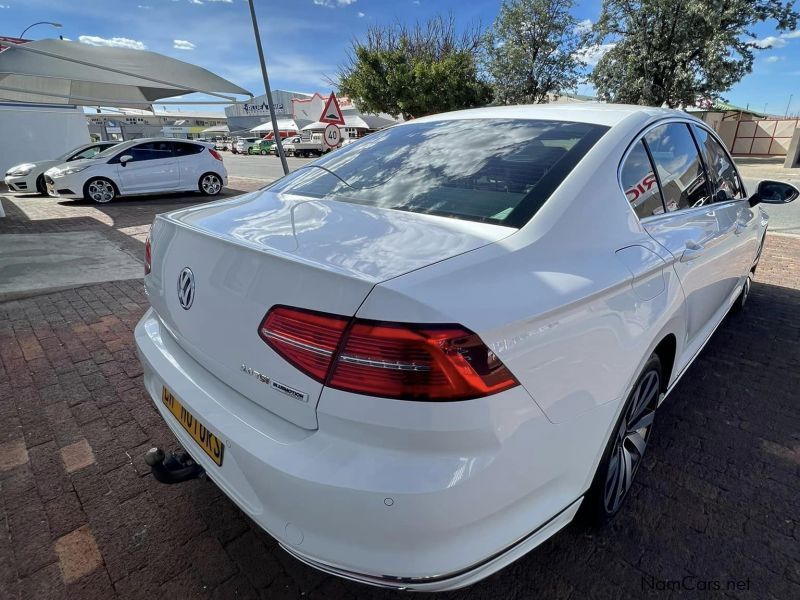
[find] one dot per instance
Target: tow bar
(175, 469)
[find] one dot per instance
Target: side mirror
(774, 192)
(125, 159)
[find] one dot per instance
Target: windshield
(490, 170)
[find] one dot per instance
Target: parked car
(143, 166)
(245, 145)
(221, 144)
(411, 363)
(29, 177)
(262, 147)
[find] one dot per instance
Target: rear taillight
(306, 339)
(148, 256)
(215, 154)
(392, 360)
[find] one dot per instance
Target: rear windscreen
(490, 170)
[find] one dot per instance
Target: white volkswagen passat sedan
(143, 166)
(415, 359)
(29, 177)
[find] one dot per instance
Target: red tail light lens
(305, 338)
(391, 360)
(215, 154)
(148, 256)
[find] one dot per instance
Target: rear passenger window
(640, 184)
(725, 182)
(184, 149)
(683, 179)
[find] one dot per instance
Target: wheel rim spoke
(631, 441)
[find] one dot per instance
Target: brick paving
(81, 517)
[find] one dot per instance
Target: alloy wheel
(211, 184)
(101, 190)
(631, 441)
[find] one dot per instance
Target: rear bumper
(433, 502)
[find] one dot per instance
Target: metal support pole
(278, 143)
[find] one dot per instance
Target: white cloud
(115, 42)
(583, 27)
(182, 45)
(791, 34)
(770, 42)
(5, 6)
(144, 6)
(360, 14)
(333, 3)
(591, 55)
(225, 1)
(195, 2)
(773, 59)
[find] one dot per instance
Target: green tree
(679, 52)
(415, 71)
(532, 51)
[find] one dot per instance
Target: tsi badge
(275, 385)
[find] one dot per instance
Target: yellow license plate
(210, 443)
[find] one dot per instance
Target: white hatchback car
(138, 167)
(415, 359)
(29, 177)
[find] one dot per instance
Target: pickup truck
(298, 146)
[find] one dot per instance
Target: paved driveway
(81, 517)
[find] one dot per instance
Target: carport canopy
(72, 73)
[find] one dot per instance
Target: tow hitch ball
(175, 469)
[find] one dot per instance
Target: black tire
(100, 190)
(209, 184)
(41, 187)
(263, 153)
(741, 299)
(625, 449)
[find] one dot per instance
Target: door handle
(692, 251)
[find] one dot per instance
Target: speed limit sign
(332, 135)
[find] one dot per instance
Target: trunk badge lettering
(275, 385)
(186, 288)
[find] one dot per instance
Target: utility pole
(276, 132)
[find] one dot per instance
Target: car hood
(364, 242)
(37, 165)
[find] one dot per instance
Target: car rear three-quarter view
(417, 358)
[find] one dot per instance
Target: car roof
(131, 143)
(598, 113)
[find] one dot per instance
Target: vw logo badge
(186, 288)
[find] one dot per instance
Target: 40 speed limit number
(332, 136)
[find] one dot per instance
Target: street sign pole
(278, 143)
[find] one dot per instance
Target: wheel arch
(666, 351)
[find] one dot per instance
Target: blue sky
(305, 40)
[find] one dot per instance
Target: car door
(189, 164)
(730, 203)
(696, 234)
(153, 168)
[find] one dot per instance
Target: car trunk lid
(261, 250)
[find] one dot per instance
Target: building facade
(132, 124)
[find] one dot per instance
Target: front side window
(89, 152)
(640, 184)
(725, 182)
(492, 170)
(683, 179)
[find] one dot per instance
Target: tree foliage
(415, 71)
(679, 52)
(532, 51)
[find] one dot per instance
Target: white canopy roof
(283, 125)
(64, 72)
(216, 129)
